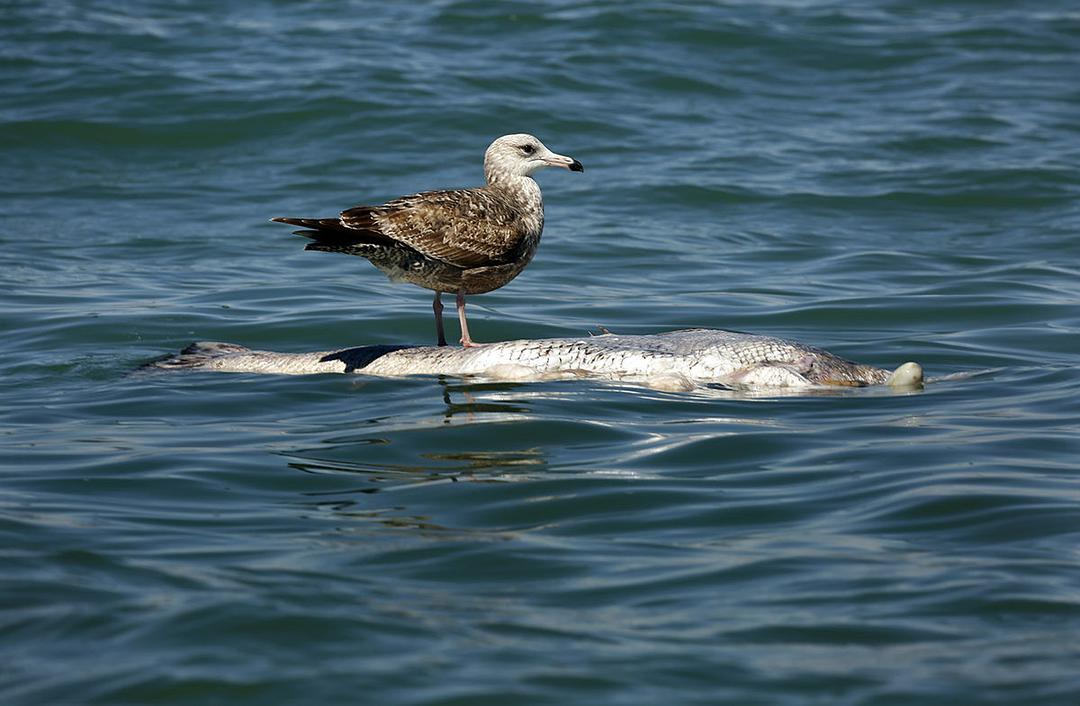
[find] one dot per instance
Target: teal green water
(888, 180)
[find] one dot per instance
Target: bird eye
(527, 149)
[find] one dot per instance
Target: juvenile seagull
(461, 241)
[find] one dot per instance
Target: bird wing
(464, 227)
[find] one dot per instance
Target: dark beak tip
(575, 166)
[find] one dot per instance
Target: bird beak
(557, 160)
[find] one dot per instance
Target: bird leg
(438, 307)
(466, 341)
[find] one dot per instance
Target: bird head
(521, 155)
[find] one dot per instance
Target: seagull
(458, 241)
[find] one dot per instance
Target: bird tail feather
(333, 234)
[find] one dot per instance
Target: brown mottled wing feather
(464, 227)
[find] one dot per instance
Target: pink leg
(438, 307)
(466, 340)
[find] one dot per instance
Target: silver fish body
(673, 360)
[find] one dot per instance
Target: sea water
(891, 181)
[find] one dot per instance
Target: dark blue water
(892, 181)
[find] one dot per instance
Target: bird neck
(522, 189)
